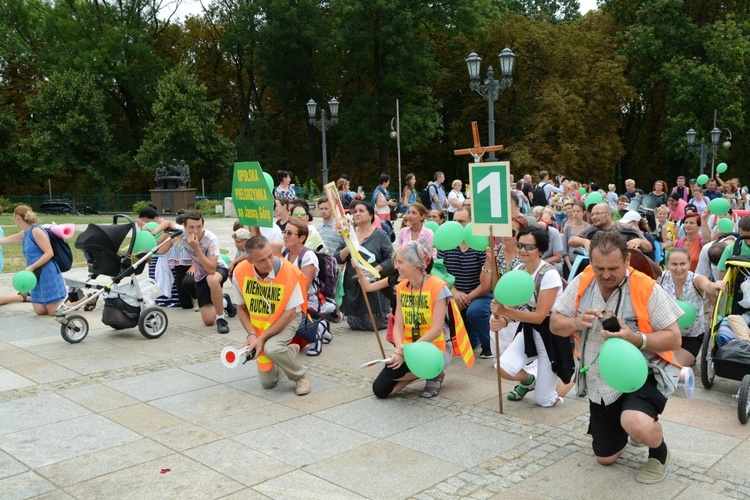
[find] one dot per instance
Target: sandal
(25, 296)
(432, 386)
(91, 304)
(325, 336)
(317, 348)
(519, 391)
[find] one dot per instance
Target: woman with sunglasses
(315, 332)
(378, 251)
(414, 263)
(300, 211)
(534, 339)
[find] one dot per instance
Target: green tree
(70, 132)
(184, 127)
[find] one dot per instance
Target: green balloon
(424, 359)
(622, 365)
(581, 191)
(24, 281)
(594, 197)
(514, 288)
(726, 225)
(719, 206)
(226, 259)
(448, 236)
(689, 314)
(702, 179)
(439, 270)
(432, 225)
(151, 226)
(269, 180)
(722, 167)
(478, 243)
(144, 241)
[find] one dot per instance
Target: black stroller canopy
(103, 237)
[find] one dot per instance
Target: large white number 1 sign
(492, 181)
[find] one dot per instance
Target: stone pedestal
(169, 201)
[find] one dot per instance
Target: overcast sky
(188, 7)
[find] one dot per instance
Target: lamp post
(323, 124)
(701, 151)
(396, 134)
(491, 88)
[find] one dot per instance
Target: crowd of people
(614, 256)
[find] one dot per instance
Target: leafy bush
(312, 190)
(7, 206)
(140, 205)
(206, 207)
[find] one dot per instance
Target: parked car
(64, 207)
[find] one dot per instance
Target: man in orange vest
(647, 318)
(272, 299)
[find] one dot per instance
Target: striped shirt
(466, 267)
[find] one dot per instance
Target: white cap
(631, 216)
(242, 234)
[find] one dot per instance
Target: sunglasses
(290, 233)
(299, 214)
(526, 246)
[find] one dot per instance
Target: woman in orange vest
(421, 306)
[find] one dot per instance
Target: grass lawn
(14, 259)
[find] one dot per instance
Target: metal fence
(110, 202)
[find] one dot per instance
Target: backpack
(63, 255)
(328, 272)
(540, 197)
(424, 198)
(538, 279)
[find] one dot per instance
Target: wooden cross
(478, 150)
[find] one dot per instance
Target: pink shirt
(679, 212)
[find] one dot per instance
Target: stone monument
(173, 190)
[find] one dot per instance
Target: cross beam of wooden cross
(478, 150)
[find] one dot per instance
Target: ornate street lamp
(323, 124)
(490, 89)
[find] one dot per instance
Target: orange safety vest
(266, 301)
(641, 287)
(461, 343)
(421, 304)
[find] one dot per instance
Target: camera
(611, 324)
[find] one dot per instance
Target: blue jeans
(477, 319)
(560, 219)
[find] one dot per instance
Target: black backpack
(540, 197)
(328, 272)
(63, 255)
(425, 198)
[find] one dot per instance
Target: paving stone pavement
(120, 416)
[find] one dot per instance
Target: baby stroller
(125, 305)
(725, 351)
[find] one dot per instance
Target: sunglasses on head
(290, 233)
(526, 246)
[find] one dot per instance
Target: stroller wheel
(74, 329)
(743, 404)
(153, 322)
(707, 364)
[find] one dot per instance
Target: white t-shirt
(209, 246)
(455, 195)
(308, 258)
(272, 234)
(550, 279)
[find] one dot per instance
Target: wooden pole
(361, 278)
(495, 278)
